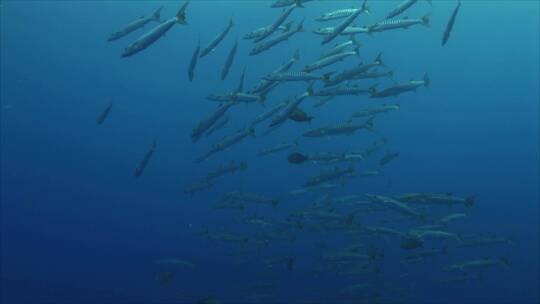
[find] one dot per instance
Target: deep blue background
(76, 226)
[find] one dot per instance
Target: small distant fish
(137, 24)
(229, 168)
(214, 43)
(144, 162)
(227, 142)
(153, 35)
(388, 157)
(278, 148)
(218, 125)
(450, 24)
(375, 111)
(229, 61)
(207, 123)
(198, 186)
(175, 262)
(103, 116)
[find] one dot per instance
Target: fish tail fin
(378, 60)
(298, 3)
(354, 41)
(262, 100)
(427, 81)
(365, 8)
(296, 55)
(181, 15)
(243, 165)
(505, 261)
(469, 201)
(357, 50)
(425, 20)
(157, 14)
(309, 89)
(300, 27)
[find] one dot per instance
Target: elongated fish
(264, 86)
(271, 112)
(349, 31)
(450, 24)
(214, 43)
(337, 14)
(135, 25)
(153, 35)
(353, 90)
(274, 26)
(103, 116)
(285, 3)
(402, 7)
(266, 45)
(297, 76)
(229, 61)
(278, 148)
(218, 125)
(229, 168)
(327, 61)
(205, 124)
(392, 24)
(240, 87)
(343, 25)
(402, 88)
(144, 162)
(193, 62)
(227, 142)
(261, 31)
(348, 128)
(375, 111)
(354, 72)
(339, 48)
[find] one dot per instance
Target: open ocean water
(96, 213)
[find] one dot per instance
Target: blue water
(78, 227)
